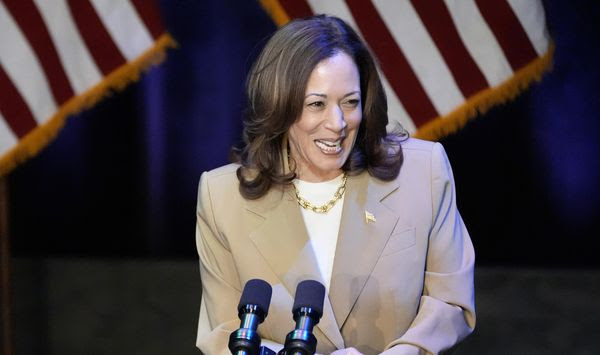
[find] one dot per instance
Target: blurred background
(102, 221)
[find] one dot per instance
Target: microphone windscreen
(256, 292)
(309, 293)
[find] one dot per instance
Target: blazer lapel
(365, 227)
(283, 241)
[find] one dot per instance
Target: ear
(287, 162)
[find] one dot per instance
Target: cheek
(354, 121)
(304, 127)
(297, 136)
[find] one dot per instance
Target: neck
(312, 176)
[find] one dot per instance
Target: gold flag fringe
(276, 11)
(481, 102)
(117, 80)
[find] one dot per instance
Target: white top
(322, 228)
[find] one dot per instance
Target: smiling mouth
(329, 147)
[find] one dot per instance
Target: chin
(335, 166)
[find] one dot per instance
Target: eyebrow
(325, 96)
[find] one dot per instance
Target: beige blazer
(401, 282)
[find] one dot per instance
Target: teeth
(329, 147)
(331, 144)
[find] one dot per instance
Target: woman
(321, 191)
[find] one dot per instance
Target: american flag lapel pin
(369, 217)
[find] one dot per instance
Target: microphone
(252, 310)
(307, 310)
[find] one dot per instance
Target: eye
(316, 104)
(352, 102)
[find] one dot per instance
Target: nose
(335, 119)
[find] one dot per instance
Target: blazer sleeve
(446, 312)
(221, 285)
(220, 281)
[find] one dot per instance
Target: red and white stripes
(437, 55)
(55, 51)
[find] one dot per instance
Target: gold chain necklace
(324, 208)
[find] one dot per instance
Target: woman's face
(322, 137)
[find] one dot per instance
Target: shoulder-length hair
(276, 87)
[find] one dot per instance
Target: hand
(347, 351)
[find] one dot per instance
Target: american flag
(442, 61)
(60, 56)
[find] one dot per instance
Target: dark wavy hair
(276, 87)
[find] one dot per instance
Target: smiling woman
(320, 190)
(282, 83)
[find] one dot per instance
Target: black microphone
(307, 310)
(252, 310)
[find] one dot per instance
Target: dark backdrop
(121, 179)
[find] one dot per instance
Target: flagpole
(6, 345)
